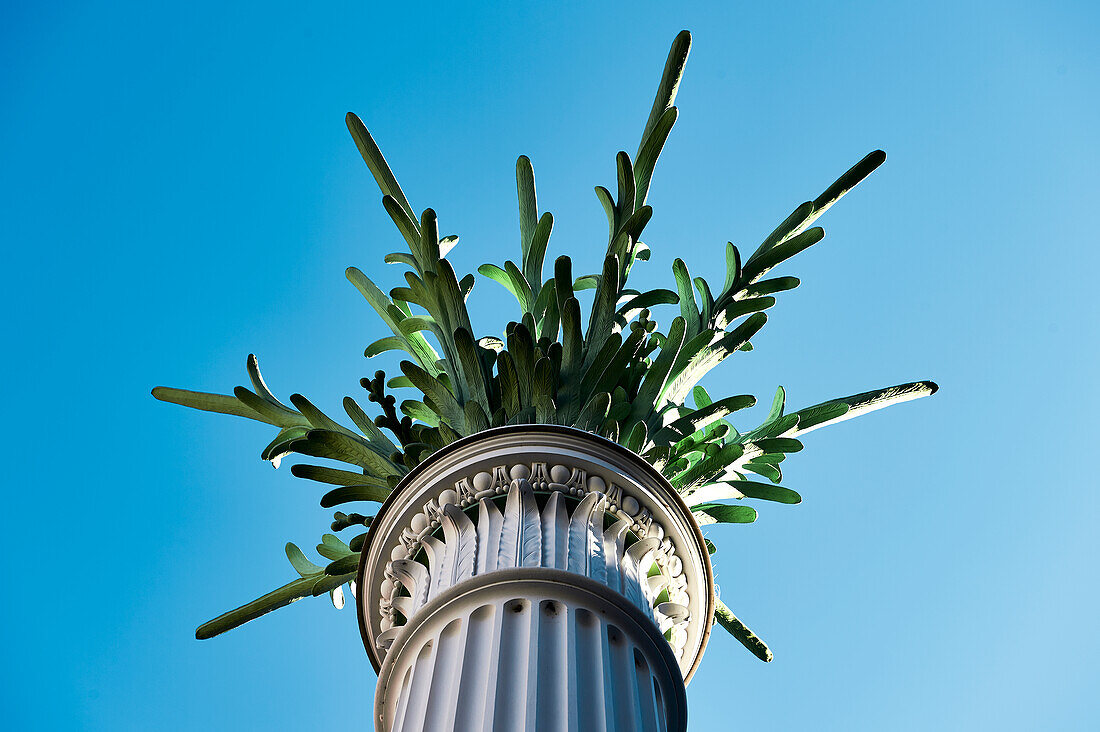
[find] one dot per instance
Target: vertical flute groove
(660, 701)
(403, 698)
(418, 690)
(440, 712)
(474, 677)
(640, 680)
(591, 709)
(513, 678)
(552, 711)
(624, 692)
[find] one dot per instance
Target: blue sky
(179, 190)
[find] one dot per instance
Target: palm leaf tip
(670, 80)
(204, 401)
(845, 408)
(288, 593)
(725, 617)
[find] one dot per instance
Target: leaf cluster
(585, 351)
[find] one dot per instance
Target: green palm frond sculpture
(604, 366)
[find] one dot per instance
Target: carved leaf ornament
(577, 524)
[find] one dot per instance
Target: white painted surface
(534, 578)
(530, 650)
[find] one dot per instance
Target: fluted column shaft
(531, 650)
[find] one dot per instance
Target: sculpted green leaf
(349, 493)
(405, 223)
(273, 411)
(532, 264)
(400, 258)
(689, 311)
(757, 267)
(647, 300)
(388, 343)
(653, 385)
(609, 208)
(650, 151)
(348, 449)
(601, 323)
(273, 600)
(851, 178)
(332, 547)
(316, 417)
(343, 566)
(720, 513)
(207, 402)
(669, 85)
(770, 287)
(282, 445)
(707, 358)
(725, 617)
(711, 412)
(528, 205)
(788, 228)
(838, 410)
(766, 469)
(624, 205)
(367, 426)
(335, 476)
(372, 156)
(738, 489)
(733, 268)
(392, 316)
(298, 560)
(436, 395)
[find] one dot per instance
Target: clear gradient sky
(178, 190)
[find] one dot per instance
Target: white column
(534, 578)
(530, 649)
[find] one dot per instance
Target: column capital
(537, 496)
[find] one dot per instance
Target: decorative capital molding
(537, 496)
